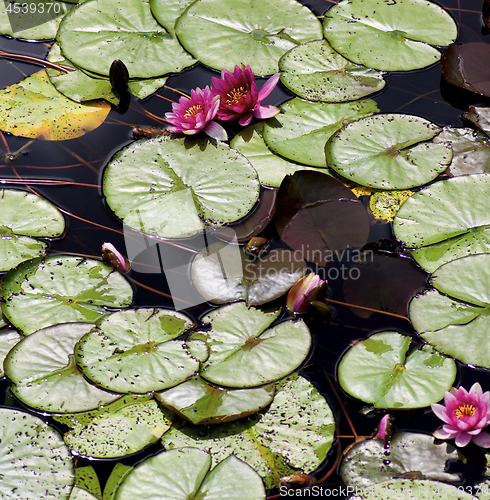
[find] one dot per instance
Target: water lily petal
(462, 439)
(482, 439)
(245, 119)
(440, 412)
(268, 86)
(216, 131)
(266, 111)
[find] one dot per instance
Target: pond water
(80, 162)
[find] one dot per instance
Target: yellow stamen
(464, 411)
(192, 111)
(235, 95)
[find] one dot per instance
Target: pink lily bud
(306, 290)
(112, 257)
(385, 430)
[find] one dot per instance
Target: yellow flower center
(192, 111)
(235, 95)
(464, 411)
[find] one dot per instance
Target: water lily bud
(119, 75)
(257, 246)
(385, 430)
(306, 290)
(112, 257)
(298, 481)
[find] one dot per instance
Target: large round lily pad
(136, 351)
(387, 151)
(302, 129)
(98, 32)
(44, 375)
(256, 32)
(455, 317)
(378, 370)
(185, 473)
(245, 351)
(394, 36)
(446, 220)
(151, 184)
(61, 289)
(316, 72)
(34, 461)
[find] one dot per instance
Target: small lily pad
(136, 351)
(316, 72)
(379, 371)
(203, 403)
(388, 151)
(245, 351)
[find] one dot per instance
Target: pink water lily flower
(465, 414)
(240, 98)
(191, 115)
(305, 291)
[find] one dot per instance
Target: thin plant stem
(35, 60)
(178, 91)
(368, 309)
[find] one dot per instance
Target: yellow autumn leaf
(34, 108)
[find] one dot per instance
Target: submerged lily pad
(369, 462)
(295, 432)
(224, 273)
(256, 32)
(34, 461)
(245, 351)
(185, 473)
(378, 370)
(316, 72)
(203, 403)
(61, 289)
(386, 151)
(153, 183)
(446, 220)
(98, 32)
(455, 319)
(393, 36)
(136, 351)
(302, 129)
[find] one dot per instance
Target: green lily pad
(121, 428)
(167, 12)
(455, 318)
(316, 72)
(302, 129)
(24, 214)
(224, 273)
(136, 351)
(43, 373)
(87, 480)
(245, 351)
(271, 168)
(446, 220)
(61, 289)
(480, 116)
(34, 461)
(393, 36)
(8, 339)
(117, 476)
(153, 183)
(294, 434)
(185, 473)
(203, 403)
(98, 32)
(78, 493)
(257, 32)
(379, 371)
(369, 462)
(386, 151)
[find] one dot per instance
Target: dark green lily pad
(34, 461)
(245, 351)
(136, 351)
(302, 129)
(294, 434)
(224, 273)
(153, 183)
(379, 371)
(316, 72)
(388, 151)
(446, 220)
(393, 36)
(257, 32)
(98, 32)
(44, 375)
(203, 403)
(117, 476)
(86, 479)
(61, 289)
(185, 473)
(455, 319)
(369, 462)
